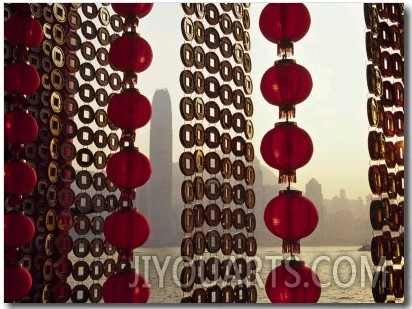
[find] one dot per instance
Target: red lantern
(286, 147)
(293, 282)
(22, 29)
(291, 217)
(20, 77)
(126, 229)
(17, 283)
(129, 110)
(19, 127)
(18, 230)
(129, 168)
(19, 178)
(139, 9)
(126, 287)
(286, 84)
(284, 24)
(130, 52)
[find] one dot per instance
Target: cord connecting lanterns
(128, 229)
(286, 148)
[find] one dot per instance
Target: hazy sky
(334, 114)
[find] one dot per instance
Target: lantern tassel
(287, 112)
(285, 48)
(291, 246)
(287, 176)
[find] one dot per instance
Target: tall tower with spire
(159, 209)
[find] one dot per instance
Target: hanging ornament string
(286, 148)
(23, 32)
(384, 49)
(128, 169)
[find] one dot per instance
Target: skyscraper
(159, 209)
(314, 193)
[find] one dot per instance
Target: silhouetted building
(159, 189)
(314, 193)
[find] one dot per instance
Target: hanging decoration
(127, 229)
(384, 40)
(22, 32)
(69, 153)
(217, 219)
(286, 148)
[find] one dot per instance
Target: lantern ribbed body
(126, 287)
(293, 283)
(130, 53)
(284, 21)
(126, 229)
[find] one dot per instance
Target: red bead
(128, 168)
(286, 83)
(291, 216)
(139, 9)
(126, 229)
(129, 110)
(17, 283)
(284, 21)
(126, 287)
(19, 178)
(130, 52)
(21, 77)
(18, 230)
(24, 30)
(292, 283)
(19, 127)
(21, 52)
(286, 147)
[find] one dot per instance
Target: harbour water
(344, 272)
(339, 270)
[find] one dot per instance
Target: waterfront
(344, 272)
(357, 292)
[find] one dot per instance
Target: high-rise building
(314, 193)
(159, 202)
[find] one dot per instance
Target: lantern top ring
(296, 192)
(285, 60)
(286, 123)
(293, 262)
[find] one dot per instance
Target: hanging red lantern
(286, 147)
(126, 229)
(129, 168)
(19, 127)
(129, 110)
(22, 29)
(130, 53)
(286, 84)
(17, 282)
(284, 24)
(139, 9)
(20, 77)
(291, 217)
(126, 287)
(293, 282)
(19, 178)
(18, 230)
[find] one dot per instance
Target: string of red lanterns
(286, 148)
(20, 128)
(127, 229)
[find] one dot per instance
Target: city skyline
(334, 114)
(167, 177)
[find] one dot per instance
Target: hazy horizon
(334, 114)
